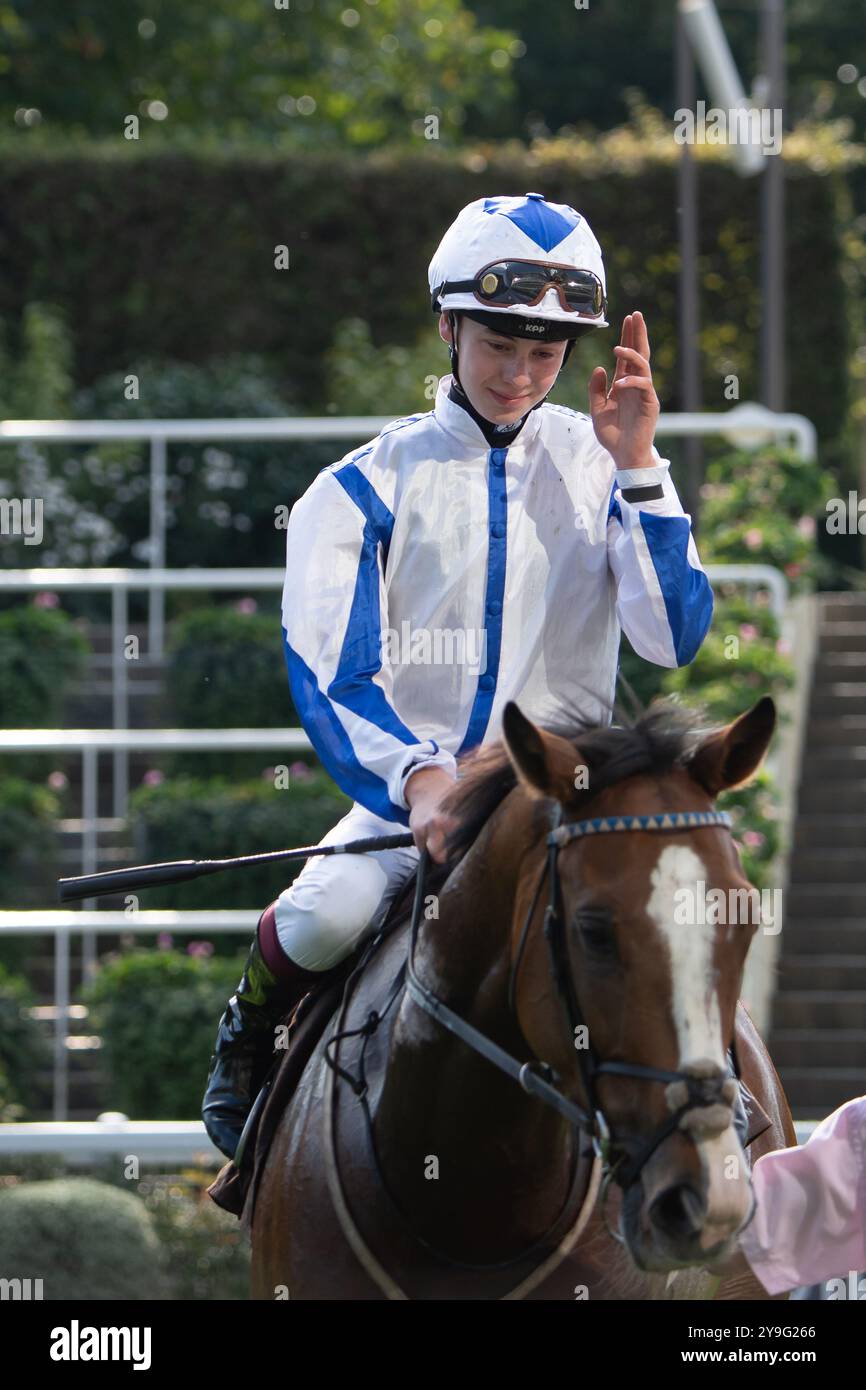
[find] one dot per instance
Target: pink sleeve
(810, 1217)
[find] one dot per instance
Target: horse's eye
(596, 933)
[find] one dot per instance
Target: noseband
(537, 1078)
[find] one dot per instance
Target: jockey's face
(503, 376)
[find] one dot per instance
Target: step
(852, 662)
(815, 795)
(830, 832)
(844, 934)
(841, 636)
(818, 1047)
(816, 1008)
(847, 761)
(825, 902)
(831, 698)
(820, 1090)
(843, 607)
(822, 863)
(837, 971)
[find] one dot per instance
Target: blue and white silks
(430, 579)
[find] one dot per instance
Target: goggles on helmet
(508, 283)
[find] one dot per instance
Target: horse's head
(652, 954)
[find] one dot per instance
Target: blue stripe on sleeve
(361, 655)
(332, 743)
(686, 591)
(613, 507)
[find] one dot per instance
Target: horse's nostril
(679, 1211)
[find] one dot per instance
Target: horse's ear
(729, 757)
(544, 762)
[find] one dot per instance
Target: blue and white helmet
(528, 229)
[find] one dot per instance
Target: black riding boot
(245, 1042)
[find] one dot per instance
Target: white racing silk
(431, 578)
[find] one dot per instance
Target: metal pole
(156, 598)
(119, 694)
(89, 847)
(689, 313)
(61, 1025)
(773, 217)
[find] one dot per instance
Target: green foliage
(36, 381)
(207, 1256)
(226, 667)
(364, 379)
(28, 844)
(211, 819)
(765, 507)
(157, 1013)
(84, 1239)
(754, 810)
(41, 653)
(133, 299)
(317, 72)
(23, 1050)
(741, 657)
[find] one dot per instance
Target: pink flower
(783, 646)
(45, 599)
(153, 777)
(246, 605)
(164, 940)
(754, 538)
(806, 526)
(301, 771)
(200, 948)
(748, 630)
(793, 570)
(753, 838)
(58, 781)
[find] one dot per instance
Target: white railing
(66, 923)
(90, 742)
(750, 422)
(84, 1142)
(119, 582)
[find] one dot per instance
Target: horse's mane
(655, 740)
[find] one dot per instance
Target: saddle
(235, 1186)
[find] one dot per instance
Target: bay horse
(409, 1164)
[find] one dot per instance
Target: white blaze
(690, 947)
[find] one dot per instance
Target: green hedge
(23, 1051)
(84, 1239)
(157, 1013)
(226, 669)
(41, 653)
(368, 227)
(197, 818)
(28, 842)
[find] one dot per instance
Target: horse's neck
(440, 1098)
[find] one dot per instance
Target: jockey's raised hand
(624, 418)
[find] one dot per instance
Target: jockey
(490, 549)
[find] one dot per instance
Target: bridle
(538, 1078)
